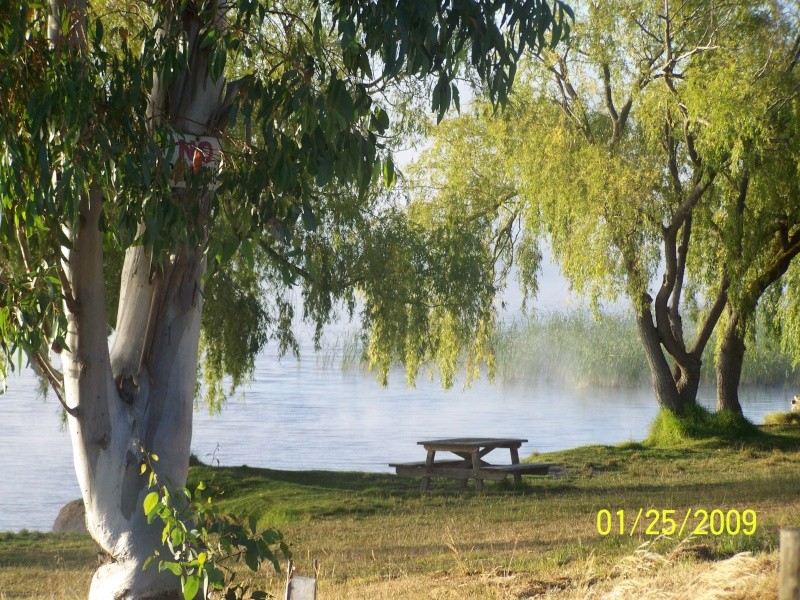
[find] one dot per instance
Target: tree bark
(139, 396)
(687, 380)
(664, 386)
(730, 360)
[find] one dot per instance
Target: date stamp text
(691, 521)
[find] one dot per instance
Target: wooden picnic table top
(467, 444)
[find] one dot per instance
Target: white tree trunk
(138, 397)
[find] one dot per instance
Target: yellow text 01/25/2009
(690, 521)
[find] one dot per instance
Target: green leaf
(177, 537)
(324, 167)
(98, 32)
(150, 503)
(251, 559)
(172, 567)
(218, 60)
(191, 586)
(388, 173)
(309, 220)
(210, 39)
(253, 522)
(246, 248)
(380, 120)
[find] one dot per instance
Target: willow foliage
(657, 151)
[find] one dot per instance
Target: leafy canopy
(302, 92)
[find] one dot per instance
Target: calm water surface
(304, 416)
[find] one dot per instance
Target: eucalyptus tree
(626, 149)
(115, 119)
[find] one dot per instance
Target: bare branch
(693, 51)
(570, 95)
(609, 99)
(646, 31)
(710, 322)
(22, 239)
(55, 379)
(66, 289)
(702, 184)
(683, 251)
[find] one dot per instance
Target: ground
(376, 536)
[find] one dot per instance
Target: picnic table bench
(470, 464)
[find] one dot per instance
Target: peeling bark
(139, 395)
(110, 430)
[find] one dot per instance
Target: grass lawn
(376, 536)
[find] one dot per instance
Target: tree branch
(285, 262)
(22, 239)
(646, 31)
(673, 344)
(672, 151)
(66, 289)
(701, 185)
(608, 97)
(704, 334)
(569, 94)
(55, 379)
(683, 251)
(790, 248)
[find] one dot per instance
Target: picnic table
(470, 463)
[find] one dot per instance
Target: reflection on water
(301, 416)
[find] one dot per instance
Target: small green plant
(782, 418)
(669, 429)
(202, 541)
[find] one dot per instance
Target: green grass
(667, 429)
(377, 536)
(782, 418)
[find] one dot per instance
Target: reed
(345, 350)
(579, 349)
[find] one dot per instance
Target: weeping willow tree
(159, 156)
(752, 134)
(657, 151)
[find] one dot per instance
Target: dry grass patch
(650, 576)
(645, 575)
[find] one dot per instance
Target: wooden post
(789, 569)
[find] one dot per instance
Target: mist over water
(301, 415)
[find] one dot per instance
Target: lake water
(300, 415)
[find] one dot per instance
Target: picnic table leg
(476, 464)
(426, 481)
(515, 461)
